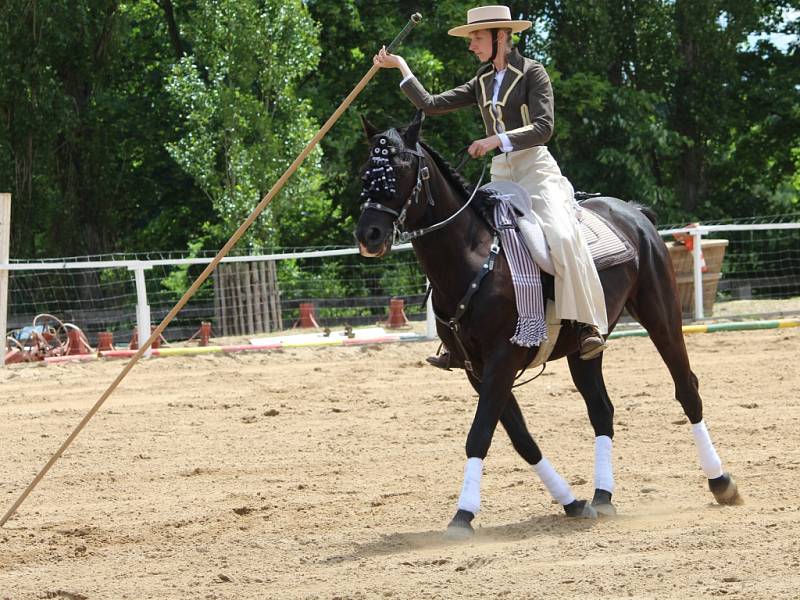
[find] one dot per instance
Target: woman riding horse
(409, 188)
(516, 102)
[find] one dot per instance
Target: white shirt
(498, 81)
(505, 143)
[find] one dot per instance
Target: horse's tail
(647, 212)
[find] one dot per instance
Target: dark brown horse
(409, 188)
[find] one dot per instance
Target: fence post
(5, 245)
(430, 318)
(697, 270)
(142, 308)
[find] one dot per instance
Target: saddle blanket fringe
(531, 326)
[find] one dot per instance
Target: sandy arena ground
(332, 472)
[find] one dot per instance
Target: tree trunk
(274, 295)
(172, 27)
(258, 301)
(240, 287)
(248, 298)
(691, 184)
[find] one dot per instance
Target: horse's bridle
(381, 178)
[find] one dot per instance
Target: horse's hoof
(602, 504)
(725, 490)
(460, 528)
(580, 509)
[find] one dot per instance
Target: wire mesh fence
(752, 273)
(242, 298)
(748, 272)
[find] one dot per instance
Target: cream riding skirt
(579, 295)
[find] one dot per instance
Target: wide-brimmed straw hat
(489, 17)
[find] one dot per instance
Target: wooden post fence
(246, 298)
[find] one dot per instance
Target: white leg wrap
(709, 459)
(471, 491)
(603, 469)
(559, 489)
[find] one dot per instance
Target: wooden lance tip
(415, 19)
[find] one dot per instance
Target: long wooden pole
(415, 19)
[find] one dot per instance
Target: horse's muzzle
(373, 242)
(382, 249)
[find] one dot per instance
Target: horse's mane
(455, 178)
(484, 199)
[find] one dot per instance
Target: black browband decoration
(379, 184)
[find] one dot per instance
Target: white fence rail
(99, 291)
(697, 232)
(119, 294)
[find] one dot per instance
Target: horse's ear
(369, 128)
(411, 134)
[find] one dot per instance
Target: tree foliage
(149, 124)
(84, 120)
(242, 121)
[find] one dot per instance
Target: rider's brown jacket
(524, 109)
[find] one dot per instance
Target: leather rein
(380, 178)
(383, 173)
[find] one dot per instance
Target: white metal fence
(263, 292)
(119, 293)
(757, 261)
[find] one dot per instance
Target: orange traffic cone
(134, 343)
(105, 341)
(76, 343)
(307, 318)
(156, 342)
(205, 333)
(397, 316)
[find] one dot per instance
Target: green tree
(84, 120)
(242, 120)
(143, 124)
(668, 103)
(352, 32)
(672, 104)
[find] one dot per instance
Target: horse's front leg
(524, 444)
(495, 403)
(493, 393)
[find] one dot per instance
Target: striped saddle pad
(608, 248)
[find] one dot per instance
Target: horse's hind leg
(588, 378)
(524, 444)
(656, 307)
